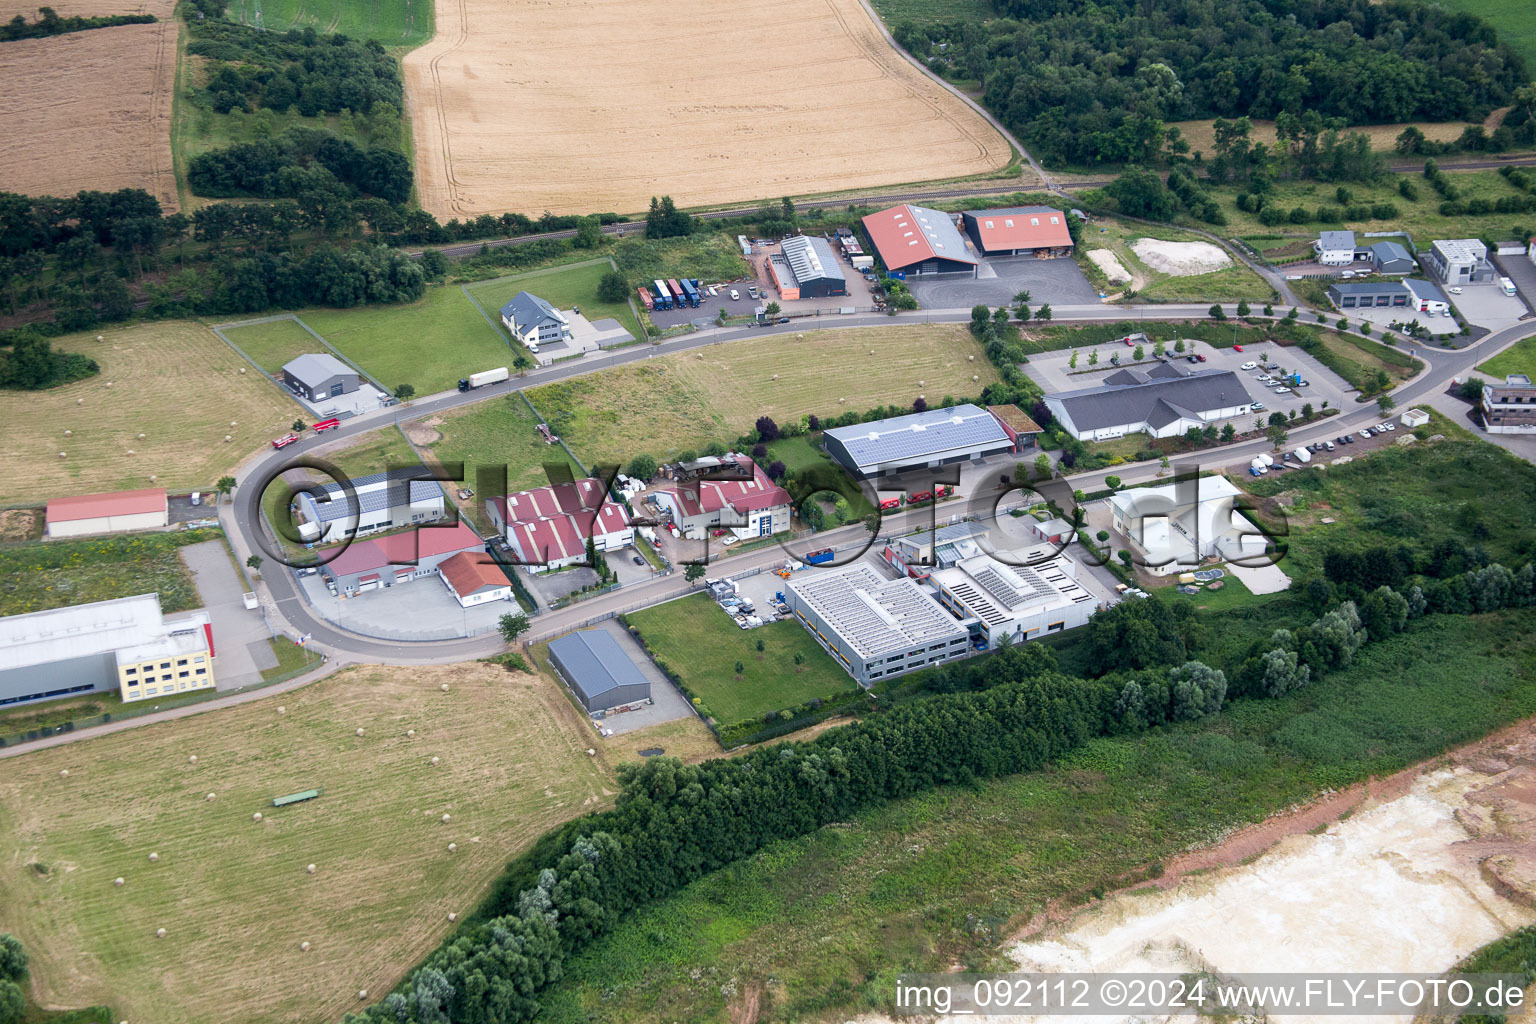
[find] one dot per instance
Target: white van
(197, 497)
(735, 294)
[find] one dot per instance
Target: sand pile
(1107, 261)
(1181, 259)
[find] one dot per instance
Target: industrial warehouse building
(876, 628)
(807, 268)
(117, 512)
(1392, 258)
(472, 577)
(381, 501)
(1459, 261)
(1172, 528)
(752, 506)
(597, 670)
(1369, 294)
(917, 241)
(1015, 602)
(548, 527)
(936, 437)
(125, 645)
(399, 558)
(918, 554)
(316, 376)
(1019, 231)
(1164, 401)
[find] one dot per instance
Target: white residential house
(1335, 248)
(1172, 528)
(534, 322)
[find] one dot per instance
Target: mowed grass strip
(1518, 358)
(273, 344)
(499, 432)
(428, 344)
(233, 895)
(717, 393)
(404, 23)
(698, 641)
(561, 287)
(174, 382)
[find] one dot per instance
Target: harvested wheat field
(174, 382)
(787, 97)
(234, 895)
(90, 110)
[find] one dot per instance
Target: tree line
(1097, 82)
(310, 72)
(303, 163)
(48, 23)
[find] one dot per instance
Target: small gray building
(1392, 258)
(1369, 295)
(316, 376)
(1459, 261)
(597, 670)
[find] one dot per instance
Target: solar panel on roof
(376, 492)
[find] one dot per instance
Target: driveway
(1522, 271)
(1486, 305)
(240, 634)
(667, 702)
(1058, 282)
(421, 609)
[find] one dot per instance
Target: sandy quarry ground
(591, 105)
(1110, 264)
(1181, 259)
(90, 110)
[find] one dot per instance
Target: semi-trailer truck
(663, 296)
(484, 377)
(679, 297)
(645, 298)
(691, 289)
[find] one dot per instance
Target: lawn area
(1358, 360)
(232, 893)
(1419, 218)
(395, 23)
(382, 449)
(174, 382)
(1229, 284)
(59, 573)
(1518, 358)
(428, 344)
(561, 287)
(818, 927)
(797, 453)
(687, 400)
(273, 344)
(694, 638)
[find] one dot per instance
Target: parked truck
(645, 298)
(484, 377)
(819, 557)
(663, 296)
(690, 290)
(679, 297)
(862, 262)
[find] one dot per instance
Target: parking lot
(1053, 372)
(1056, 281)
(1384, 317)
(422, 609)
(1486, 305)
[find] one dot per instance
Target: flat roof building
(918, 554)
(85, 515)
(1508, 408)
(933, 438)
(1018, 424)
(917, 241)
(807, 269)
(1164, 401)
(1173, 528)
(1015, 602)
(379, 501)
(875, 627)
(1018, 231)
(125, 644)
(598, 671)
(1459, 261)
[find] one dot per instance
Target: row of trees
(313, 73)
(301, 162)
(48, 23)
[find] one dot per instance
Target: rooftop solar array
(874, 615)
(931, 433)
(375, 492)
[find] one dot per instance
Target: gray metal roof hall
(374, 492)
(934, 437)
(597, 670)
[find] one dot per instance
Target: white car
(729, 540)
(735, 294)
(1250, 366)
(1262, 377)
(1256, 407)
(1282, 391)
(1391, 426)
(1455, 291)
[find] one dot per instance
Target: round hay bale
(192, 759)
(447, 819)
(971, 358)
(452, 917)
(79, 401)
(921, 383)
(256, 816)
(444, 687)
(452, 847)
(974, 377)
(159, 933)
(840, 401)
(227, 438)
(359, 732)
(98, 339)
(410, 732)
(242, 369)
(434, 760)
(69, 433)
(109, 383)
(591, 752)
(232, 423)
(209, 796)
(130, 451)
(304, 947)
(153, 477)
(118, 881)
(63, 773)
(63, 455)
(310, 869)
(362, 993)
(154, 858)
(282, 709)
(141, 437)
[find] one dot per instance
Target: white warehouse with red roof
(917, 241)
(548, 527)
(752, 506)
(118, 512)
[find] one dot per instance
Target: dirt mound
(1181, 259)
(19, 524)
(1107, 261)
(424, 432)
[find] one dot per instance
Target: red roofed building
(916, 241)
(1019, 231)
(548, 527)
(117, 512)
(753, 506)
(474, 579)
(399, 557)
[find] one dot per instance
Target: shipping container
(863, 262)
(645, 297)
(819, 557)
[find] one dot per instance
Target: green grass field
(1518, 358)
(59, 573)
(797, 453)
(818, 927)
(927, 12)
(395, 23)
(562, 287)
(1230, 284)
(383, 449)
(701, 644)
(234, 894)
(273, 344)
(1358, 360)
(428, 344)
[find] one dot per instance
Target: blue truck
(690, 290)
(819, 557)
(663, 296)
